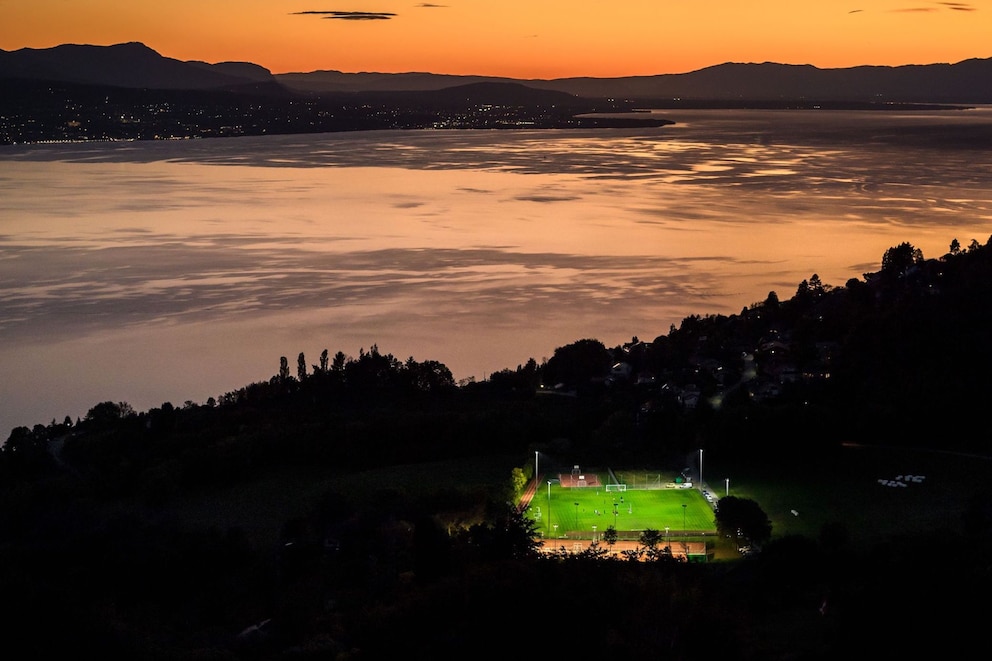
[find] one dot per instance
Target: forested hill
(895, 354)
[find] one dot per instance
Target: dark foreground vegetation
(133, 534)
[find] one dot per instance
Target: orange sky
(519, 39)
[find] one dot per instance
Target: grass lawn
(874, 492)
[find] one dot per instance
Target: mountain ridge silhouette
(135, 65)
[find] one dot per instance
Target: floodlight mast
(549, 507)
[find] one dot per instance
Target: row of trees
(372, 370)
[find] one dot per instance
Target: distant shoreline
(647, 105)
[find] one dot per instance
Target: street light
(537, 473)
(728, 486)
(614, 516)
(594, 534)
(685, 545)
(576, 515)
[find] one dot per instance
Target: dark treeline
(897, 357)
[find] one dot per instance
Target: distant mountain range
(966, 82)
(136, 66)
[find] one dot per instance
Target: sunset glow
(546, 39)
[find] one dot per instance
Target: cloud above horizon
(348, 15)
(953, 6)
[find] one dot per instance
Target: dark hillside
(38, 110)
(895, 355)
(498, 93)
(135, 533)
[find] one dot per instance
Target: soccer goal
(615, 487)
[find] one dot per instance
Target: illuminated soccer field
(586, 512)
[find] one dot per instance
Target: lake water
(175, 271)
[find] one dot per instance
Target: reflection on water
(152, 272)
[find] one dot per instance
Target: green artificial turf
(575, 510)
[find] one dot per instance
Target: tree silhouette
(651, 539)
(899, 259)
(340, 360)
(428, 376)
(107, 413)
(742, 517)
(506, 534)
(610, 536)
(577, 363)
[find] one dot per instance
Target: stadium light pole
(685, 545)
(537, 473)
(549, 507)
(700, 468)
(576, 515)
(728, 485)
